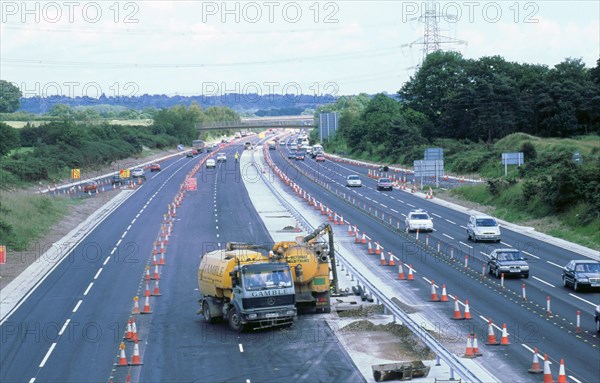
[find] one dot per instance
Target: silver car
(353, 181)
(221, 157)
(509, 262)
(483, 228)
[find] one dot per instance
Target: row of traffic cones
(548, 378)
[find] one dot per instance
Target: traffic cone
(547, 373)
(156, 292)
(444, 297)
(134, 333)
(467, 310)
(364, 238)
(504, 340)
(400, 271)
(147, 309)
(476, 346)
(382, 261)
(457, 313)
(350, 231)
(535, 366)
(469, 350)
(161, 261)
(154, 251)
(562, 377)
(147, 273)
(156, 276)
(135, 359)
(154, 261)
(434, 296)
(122, 358)
(377, 248)
(356, 237)
(136, 305)
(129, 330)
(336, 221)
(492, 341)
(147, 292)
(392, 262)
(370, 248)
(410, 277)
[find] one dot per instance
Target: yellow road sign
(124, 173)
(75, 174)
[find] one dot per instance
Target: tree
(9, 139)
(10, 97)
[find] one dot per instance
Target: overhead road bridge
(278, 122)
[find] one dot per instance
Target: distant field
(145, 122)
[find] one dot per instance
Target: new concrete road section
(69, 327)
(528, 322)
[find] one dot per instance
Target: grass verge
(27, 217)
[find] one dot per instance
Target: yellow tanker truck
(246, 288)
(312, 262)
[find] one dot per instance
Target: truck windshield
(267, 279)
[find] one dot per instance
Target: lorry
(246, 288)
(312, 262)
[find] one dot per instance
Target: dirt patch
(387, 341)
(17, 261)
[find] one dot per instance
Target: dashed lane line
(543, 281)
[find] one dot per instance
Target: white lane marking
(124, 234)
(217, 235)
(369, 198)
(47, 355)
(506, 244)
(584, 300)
(573, 378)
(128, 227)
(486, 320)
(247, 380)
(383, 205)
(241, 348)
(447, 220)
(118, 243)
(31, 380)
(435, 215)
(464, 227)
(138, 215)
(487, 255)
(411, 205)
(88, 288)
(395, 211)
(98, 273)
(531, 255)
(64, 327)
(543, 281)
(360, 195)
(446, 235)
(77, 306)
(133, 221)
(106, 261)
(531, 350)
(113, 251)
(555, 264)
(462, 243)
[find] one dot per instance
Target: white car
(137, 173)
(210, 163)
(483, 228)
(419, 220)
(221, 157)
(353, 181)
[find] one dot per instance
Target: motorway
(528, 322)
(70, 326)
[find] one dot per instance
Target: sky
(86, 48)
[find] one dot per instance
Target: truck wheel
(206, 312)
(234, 319)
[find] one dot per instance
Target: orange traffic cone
(136, 306)
(392, 261)
(492, 341)
(469, 350)
(434, 296)
(457, 313)
(128, 333)
(135, 359)
(122, 358)
(146, 309)
(476, 346)
(364, 238)
(156, 291)
(382, 260)
(161, 261)
(147, 292)
(547, 373)
(400, 271)
(356, 237)
(147, 273)
(467, 310)
(134, 333)
(504, 340)
(370, 248)
(154, 251)
(535, 366)
(377, 248)
(410, 277)
(444, 297)
(562, 377)
(154, 261)
(156, 276)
